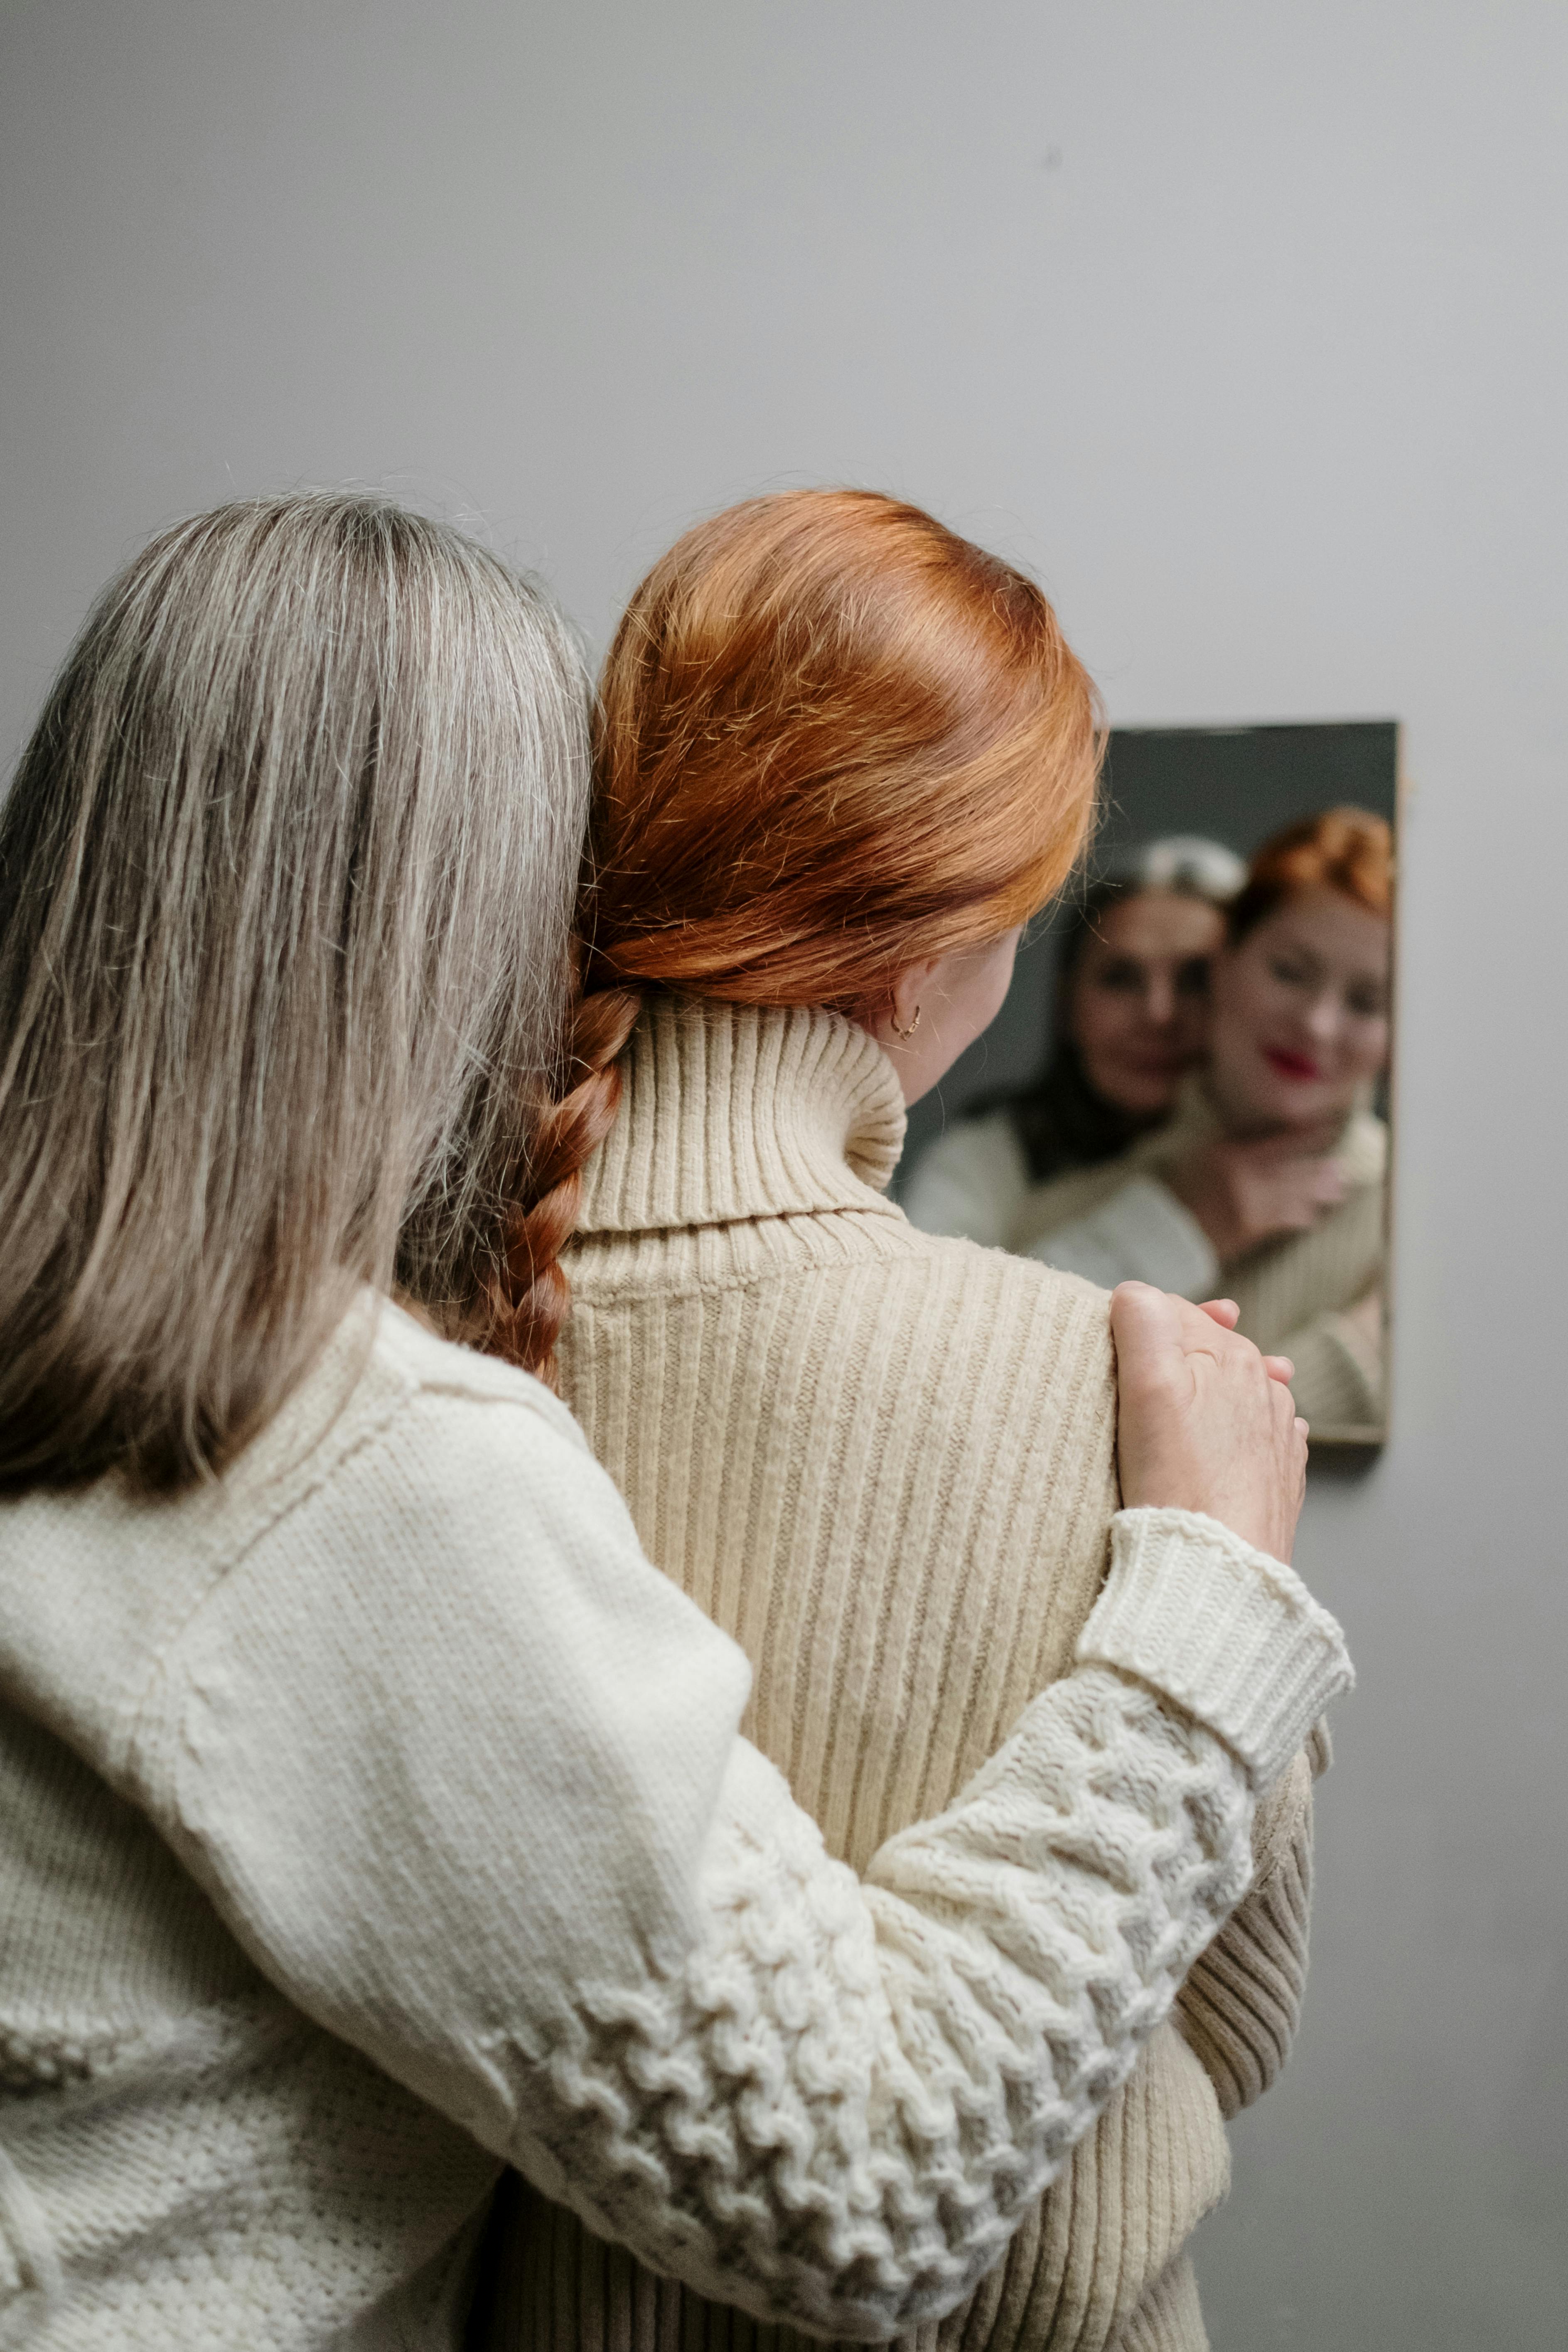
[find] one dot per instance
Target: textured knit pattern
(377, 1812)
(884, 1465)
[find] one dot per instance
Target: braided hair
(531, 1296)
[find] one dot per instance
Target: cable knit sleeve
(841, 2109)
(520, 1858)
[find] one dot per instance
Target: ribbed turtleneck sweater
(884, 1463)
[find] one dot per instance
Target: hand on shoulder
(1206, 1423)
(1242, 1191)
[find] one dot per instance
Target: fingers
(1142, 1318)
(1203, 1332)
(1145, 1321)
(1279, 1368)
(1314, 1142)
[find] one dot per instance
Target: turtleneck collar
(732, 1112)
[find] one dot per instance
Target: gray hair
(1187, 862)
(285, 886)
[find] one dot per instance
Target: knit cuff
(1230, 1634)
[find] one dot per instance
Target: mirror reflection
(1188, 1082)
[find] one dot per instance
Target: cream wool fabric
(376, 1813)
(884, 1465)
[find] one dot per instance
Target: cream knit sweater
(377, 1813)
(884, 1465)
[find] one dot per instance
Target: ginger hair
(832, 738)
(1344, 849)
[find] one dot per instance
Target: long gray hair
(286, 884)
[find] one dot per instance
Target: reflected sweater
(885, 1464)
(1124, 1221)
(1120, 1221)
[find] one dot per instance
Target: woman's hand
(1245, 1192)
(1206, 1423)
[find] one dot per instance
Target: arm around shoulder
(462, 1772)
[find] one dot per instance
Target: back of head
(285, 886)
(1344, 849)
(833, 739)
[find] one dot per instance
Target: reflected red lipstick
(1289, 1064)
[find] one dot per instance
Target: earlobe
(904, 997)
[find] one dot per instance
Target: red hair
(1344, 849)
(832, 738)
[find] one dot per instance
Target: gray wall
(1242, 325)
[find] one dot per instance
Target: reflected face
(1138, 1012)
(1300, 1013)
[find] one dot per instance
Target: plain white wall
(1243, 326)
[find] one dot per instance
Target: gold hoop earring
(893, 1023)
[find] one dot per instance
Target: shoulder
(1016, 1339)
(401, 1460)
(1363, 1149)
(1020, 1284)
(410, 1371)
(450, 1554)
(435, 1454)
(393, 1407)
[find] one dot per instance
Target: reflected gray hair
(1187, 862)
(287, 875)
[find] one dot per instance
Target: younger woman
(1132, 1022)
(370, 1811)
(1270, 1182)
(842, 755)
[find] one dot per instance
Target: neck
(1245, 1123)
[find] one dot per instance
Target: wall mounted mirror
(1189, 1082)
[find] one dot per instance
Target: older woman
(843, 754)
(1270, 1182)
(370, 1810)
(1130, 1023)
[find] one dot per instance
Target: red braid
(531, 1302)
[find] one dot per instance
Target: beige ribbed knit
(885, 1464)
